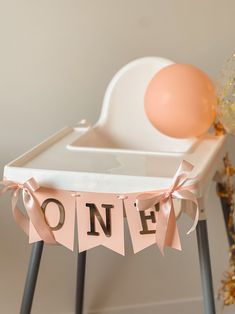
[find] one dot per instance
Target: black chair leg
(31, 278)
(81, 270)
(205, 266)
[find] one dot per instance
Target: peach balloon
(180, 101)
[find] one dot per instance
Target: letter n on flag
(100, 221)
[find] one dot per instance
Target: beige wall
(56, 59)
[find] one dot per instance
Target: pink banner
(150, 215)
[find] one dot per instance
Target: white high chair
(122, 153)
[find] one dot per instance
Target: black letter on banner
(144, 219)
(95, 213)
(61, 209)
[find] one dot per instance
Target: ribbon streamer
(33, 209)
(167, 233)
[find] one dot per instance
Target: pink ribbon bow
(167, 231)
(33, 209)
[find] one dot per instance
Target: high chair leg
(31, 278)
(81, 270)
(205, 266)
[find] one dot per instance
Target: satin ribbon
(35, 214)
(167, 233)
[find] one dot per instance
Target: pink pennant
(59, 210)
(100, 221)
(142, 225)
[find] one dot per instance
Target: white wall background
(56, 59)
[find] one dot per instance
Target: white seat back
(123, 118)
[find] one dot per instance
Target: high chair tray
(121, 170)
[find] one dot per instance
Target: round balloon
(180, 101)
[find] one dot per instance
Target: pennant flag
(100, 221)
(142, 224)
(58, 207)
